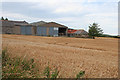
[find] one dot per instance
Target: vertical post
(47, 31)
(66, 31)
(118, 39)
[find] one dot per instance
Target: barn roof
(20, 22)
(52, 24)
(38, 23)
(6, 23)
(81, 31)
(12, 23)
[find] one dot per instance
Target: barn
(77, 33)
(7, 27)
(17, 27)
(40, 28)
(50, 29)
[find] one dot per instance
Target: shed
(11, 27)
(51, 29)
(77, 33)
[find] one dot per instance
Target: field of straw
(97, 57)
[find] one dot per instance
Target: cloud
(68, 8)
(52, 1)
(102, 0)
(73, 7)
(17, 16)
(49, 1)
(103, 15)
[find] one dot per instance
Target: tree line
(3, 18)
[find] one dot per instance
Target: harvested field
(97, 57)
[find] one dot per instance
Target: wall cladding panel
(22, 30)
(51, 31)
(42, 31)
(26, 30)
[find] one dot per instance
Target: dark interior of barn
(62, 31)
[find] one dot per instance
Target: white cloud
(103, 15)
(68, 8)
(102, 0)
(17, 16)
(71, 6)
(52, 1)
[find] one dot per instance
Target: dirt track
(98, 57)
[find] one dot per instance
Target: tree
(6, 19)
(2, 18)
(94, 30)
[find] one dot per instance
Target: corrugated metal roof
(70, 31)
(38, 23)
(12, 23)
(6, 23)
(53, 24)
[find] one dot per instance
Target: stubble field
(97, 57)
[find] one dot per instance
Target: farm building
(40, 28)
(17, 27)
(77, 33)
(50, 29)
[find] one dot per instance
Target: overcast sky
(77, 14)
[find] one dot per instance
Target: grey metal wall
(42, 31)
(22, 30)
(26, 30)
(53, 31)
(16, 30)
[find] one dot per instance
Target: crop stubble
(98, 57)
